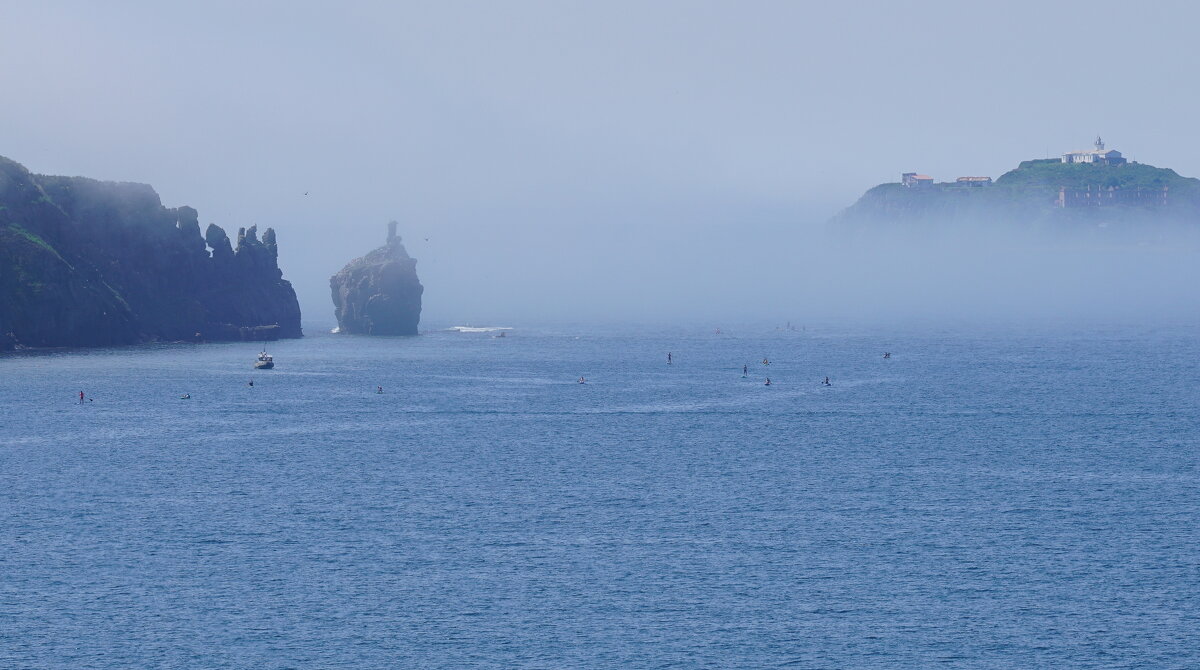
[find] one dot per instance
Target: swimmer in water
(185, 396)
(251, 383)
(768, 382)
(379, 389)
(582, 380)
(766, 362)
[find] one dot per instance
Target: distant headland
(1094, 186)
(92, 263)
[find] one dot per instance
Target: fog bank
(777, 272)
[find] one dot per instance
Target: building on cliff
(1098, 156)
(1042, 193)
(1100, 196)
(914, 180)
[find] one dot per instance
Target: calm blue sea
(987, 498)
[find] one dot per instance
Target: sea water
(985, 498)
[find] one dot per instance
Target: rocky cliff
(379, 294)
(91, 263)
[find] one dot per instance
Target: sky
(584, 161)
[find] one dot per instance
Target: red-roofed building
(913, 180)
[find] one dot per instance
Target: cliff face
(90, 263)
(379, 294)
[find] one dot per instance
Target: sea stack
(379, 294)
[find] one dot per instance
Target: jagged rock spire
(218, 241)
(268, 240)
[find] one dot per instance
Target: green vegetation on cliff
(91, 263)
(1040, 191)
(1055, 173)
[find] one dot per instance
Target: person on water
(668, 358)
(768, 381)
(81, 397)
(582, 380)
(251, 383)
(379, 389)
(766, 362)
(827, 382)
(185, 396)
(745, 369)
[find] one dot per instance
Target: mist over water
(1002, 270)
(775, 272)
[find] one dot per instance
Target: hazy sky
(578, 159)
